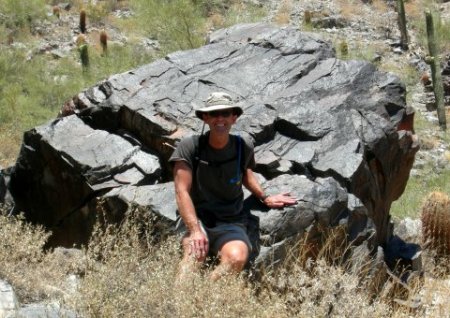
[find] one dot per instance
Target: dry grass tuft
(429, 142)
(216, 20)
(348, 9)
(129, 274)
(127, 271)
(414, 9)
(10, 141)
(34, 274)
(380, 6)
(283, 15)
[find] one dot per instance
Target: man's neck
(218, 141)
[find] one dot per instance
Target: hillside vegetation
(124, 272)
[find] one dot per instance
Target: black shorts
(220, 234)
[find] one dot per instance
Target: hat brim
(204, 110)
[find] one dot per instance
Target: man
(209, 171)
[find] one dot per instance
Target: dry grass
(415, 9)
(216, 20)
(348, 9)
(10, 141)
(380, 6)
(429, 142)
(283, 15)
(127, 272)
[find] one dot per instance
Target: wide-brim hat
(218, 101)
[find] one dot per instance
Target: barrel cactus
(436, 223)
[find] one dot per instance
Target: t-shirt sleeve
(249, 152)
(185, 151)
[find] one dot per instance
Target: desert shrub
(177, 24)
(18, 13)
(20, 251)
(243, 12)
(183, 24)
(282, 17)
(208, 7)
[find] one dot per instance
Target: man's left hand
(280, 200)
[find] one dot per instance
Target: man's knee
(234, 253)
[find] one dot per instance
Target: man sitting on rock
(209, 171)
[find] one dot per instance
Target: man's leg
(233, 257)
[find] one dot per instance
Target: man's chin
(221, 130)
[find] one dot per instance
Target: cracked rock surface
(337, 134)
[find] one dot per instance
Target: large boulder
(337, 134)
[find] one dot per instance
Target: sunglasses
(221, 113)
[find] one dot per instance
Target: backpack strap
(200, 143)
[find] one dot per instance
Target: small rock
(397, 50)
(409, 230)
(8, 300)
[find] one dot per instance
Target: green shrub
(18, 13)
(175, 23)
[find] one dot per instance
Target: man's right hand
(198, 245)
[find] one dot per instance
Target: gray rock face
(8, 299)
(337, 134)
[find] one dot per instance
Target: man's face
(220, 121)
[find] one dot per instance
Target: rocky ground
(335, 20)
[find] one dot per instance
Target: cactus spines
(402, 24)
(56, 11)
(436, 223)
(436, 77)
(83, 21)
(104, 41)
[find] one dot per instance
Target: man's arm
(272, 201)
(183, 184)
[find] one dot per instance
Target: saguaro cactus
(343, 48)
(83, 21)
(83, 50)
(436, 77)
(84, 56)
(57, 11)
(104, 41)
(436, 222)
(402, 24)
